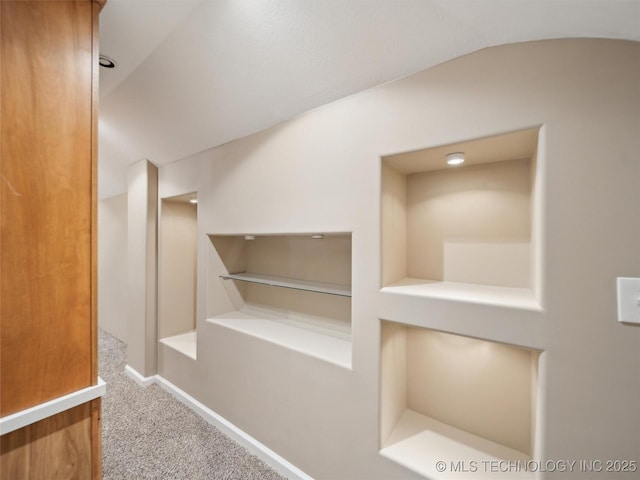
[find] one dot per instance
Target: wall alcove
(177, 259)
(448, 397)
(466, 232)
(290, 289)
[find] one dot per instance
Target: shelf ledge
(185, 343)
(324, 347)
(440, 451)
(521, 298)
(306, 285)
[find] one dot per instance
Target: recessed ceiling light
(107, 62)
(193, 200)
(455, 158)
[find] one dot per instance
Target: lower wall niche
(451, 398)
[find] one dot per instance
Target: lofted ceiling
(194, 74)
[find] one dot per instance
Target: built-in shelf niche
(469, 231)
(289, 289)
(446, 397)
(177, 265)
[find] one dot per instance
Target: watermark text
(514, 466)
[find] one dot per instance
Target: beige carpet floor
(148, 434)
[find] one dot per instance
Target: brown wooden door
(48, 87)
(46, 192)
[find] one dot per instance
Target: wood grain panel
(95, 95)
(58, 447)
(46, 192)
(15, 450)
(96, 438)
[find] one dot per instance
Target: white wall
(112, 265)
(142, 284)
(321, 172)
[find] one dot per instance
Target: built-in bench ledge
(328, 347)
(28, 416)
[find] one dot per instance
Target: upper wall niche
(467, 231)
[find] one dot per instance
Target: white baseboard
(258, 449)
(138, 378)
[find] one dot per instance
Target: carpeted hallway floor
(147, 434)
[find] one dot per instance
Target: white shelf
(185, 343)
(419, 443)
(309, 286)
(318, 345)
(521, 298)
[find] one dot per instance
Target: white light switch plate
(628, 300)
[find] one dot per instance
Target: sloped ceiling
(194, 74)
